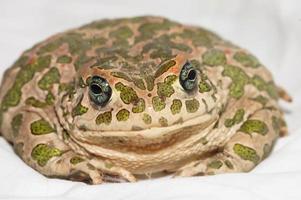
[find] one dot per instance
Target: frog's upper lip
(120, 144)
(149, 133)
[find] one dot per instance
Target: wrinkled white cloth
(269, 29)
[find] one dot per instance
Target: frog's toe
(94, 175)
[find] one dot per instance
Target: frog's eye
(99, 90)
(188, 77)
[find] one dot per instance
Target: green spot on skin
(246, 59)
(196, 64)
(41, 127)
(261, 99)
(204, 87)
(239, 80)
(49, 47)
(254, 126)
(42, 153)
(262, 85)
(214, 57)
(163, 121)
(81, 60)
(238, 117)
(79, 110)
(192, 105)
(139, 83)
(123, 115)
(164, 90)
(66, 87)
(158, 103)
(31, 101)
(16, 123)
(147, 118)
(75, 160)
(147, 30)
(216, 164)
(12, 98)
(139, 107)
(162, 46)
(199, 37)
(246, 153)
(149, 80)
(104, 118)
(105, 62)
(122, 76)
(51, 77)
(122, 33)
(77, 45)
(49, 98)
(229, 164)
(176, 106)
(26, 73)
(97, 41)
(164, 68)
(170, 79)
(127, 94)
(64, 59)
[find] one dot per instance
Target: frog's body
(147, 120)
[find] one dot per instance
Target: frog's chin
(150, 139)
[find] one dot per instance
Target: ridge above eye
(100, 91)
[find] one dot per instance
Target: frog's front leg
(37, 142)
(250, 144)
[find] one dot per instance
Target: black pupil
(95, 89)
(192, 75)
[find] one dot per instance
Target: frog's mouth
(146, 140)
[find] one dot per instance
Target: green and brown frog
(120, 98)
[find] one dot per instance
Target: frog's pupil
(192, 75)
(95, 89)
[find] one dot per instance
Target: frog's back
(131, 47)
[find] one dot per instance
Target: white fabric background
(270, 29)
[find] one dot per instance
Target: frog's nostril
(95, 89)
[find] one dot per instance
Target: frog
(118, 99)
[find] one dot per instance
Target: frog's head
(149, 95)
(121, 106)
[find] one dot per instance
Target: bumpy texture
(168, 97)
